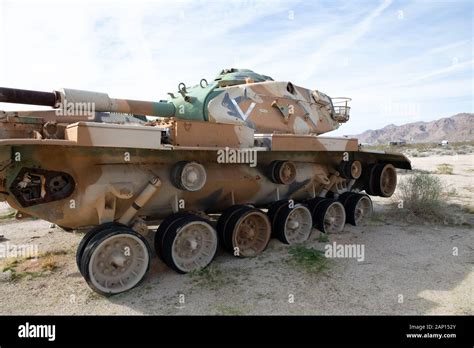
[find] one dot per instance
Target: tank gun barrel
(66, 98)
(23, 96)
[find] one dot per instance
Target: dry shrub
(422, 196)
(444, 168)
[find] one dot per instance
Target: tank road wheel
(293, 225)
(313, 205)
(189, 244)
(224, 219)
(273, 211)
(247, 232)
(344, 197)
(163, 228)
(330, 216)
(85, 240)
(358, 209)
(115, 260)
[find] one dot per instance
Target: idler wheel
(381, 180)
(385, 180)
(369, 175)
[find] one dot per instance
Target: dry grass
(444, 168)
(33, 267)
(49, 263)
(469, 209)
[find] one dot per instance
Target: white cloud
(443, 71)
(342, 41)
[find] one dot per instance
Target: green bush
(309, 259)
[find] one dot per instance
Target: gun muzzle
(23, 96)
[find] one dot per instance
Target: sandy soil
(408, 269)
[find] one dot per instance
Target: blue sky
(400, 61)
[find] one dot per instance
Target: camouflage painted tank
(230, 162)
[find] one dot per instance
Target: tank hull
(105, 177)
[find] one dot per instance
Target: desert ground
(409, 268)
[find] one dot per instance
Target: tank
(228, 163)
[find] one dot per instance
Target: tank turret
(241, 96)
(235, 96)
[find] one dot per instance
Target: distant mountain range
(459, 127)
